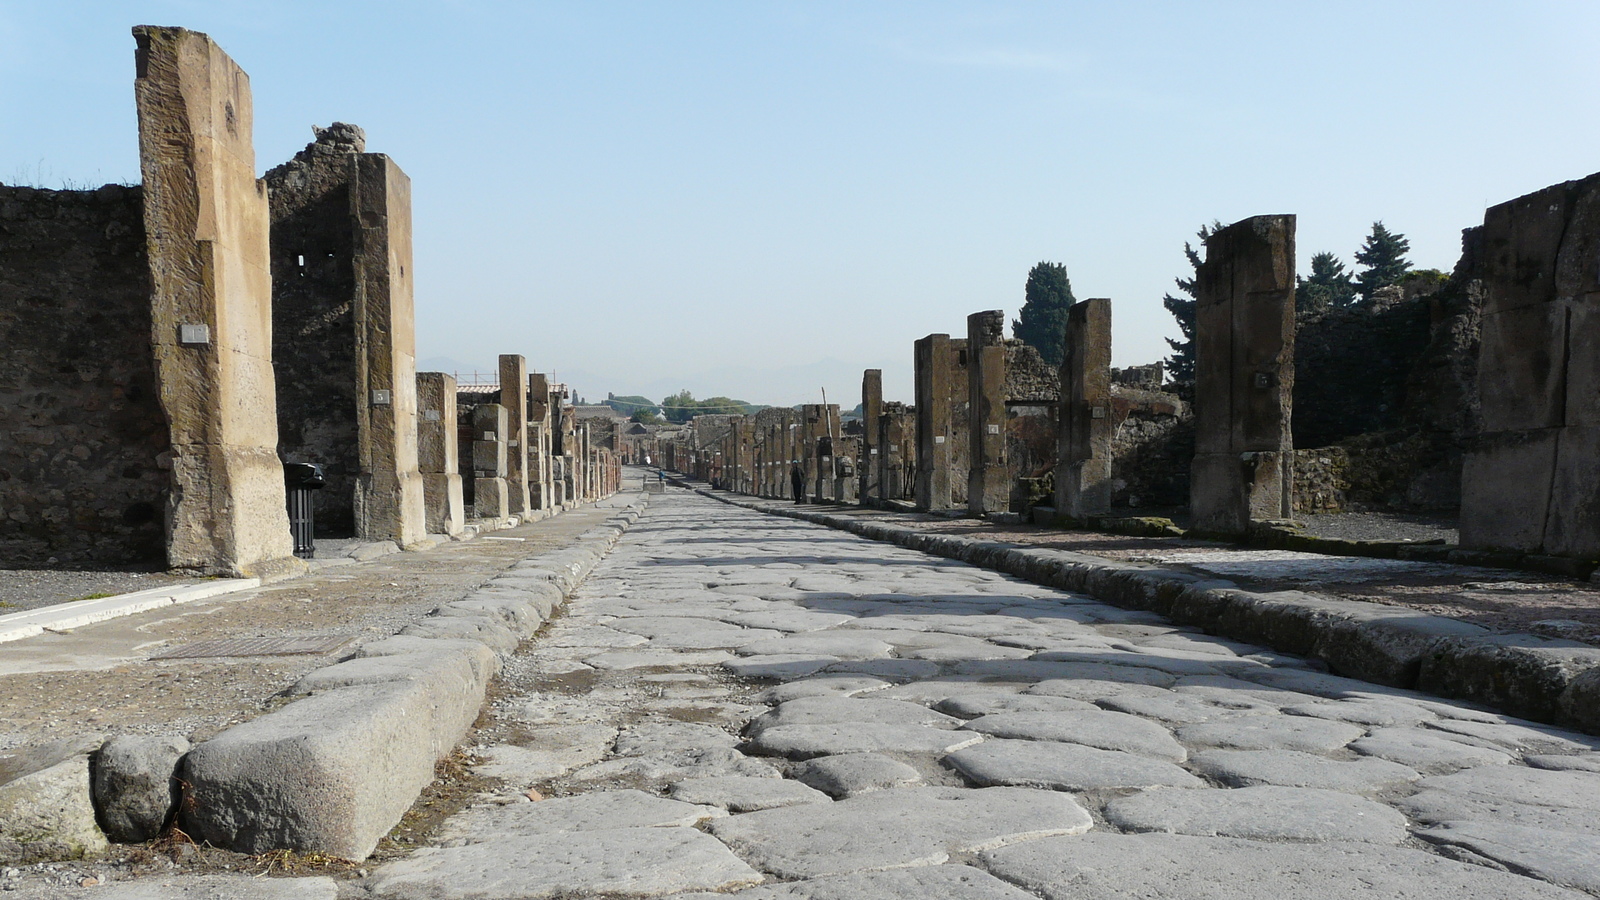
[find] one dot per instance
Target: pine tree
(1384, 256)
(1043, 320)
(1180, 365)
(1329, 286)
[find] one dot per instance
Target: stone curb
(65, 616)
(1536, 678)
(334, 771)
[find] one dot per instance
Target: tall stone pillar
(1244, 376)
(444, 510)
(1530, 483)
(933, 422)
(538, 441)
(1083, 456)
(490, 491)
(514, 397)
(205, 219)
(989, 478)
(871, 407)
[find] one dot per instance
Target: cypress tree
(1043, 320)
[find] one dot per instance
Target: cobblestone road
(749, 705)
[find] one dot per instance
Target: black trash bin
(299, 480)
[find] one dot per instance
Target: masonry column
(1083, 457)
(491, 496)
(514, 397)
(444, 510)
(1244, 376)
(871, 408)
(205, 218)
(988, 479)
(538, 441)
(933, 422)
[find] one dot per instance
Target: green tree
(680, 407)
(1043, 320)
(1180, 365)
(1384, 258)
(1329, 286)
(645, 417)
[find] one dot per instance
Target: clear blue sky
(761, 199)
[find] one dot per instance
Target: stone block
(1505, 495)
(1520, 674)
(331, 773)
(437, 446)
(490, 499)
(134, 789)
(514, 397)
(1572, 526)
(489, 419)
(1521, 239)
(1522, 368)
(444, 506)
(46, 812)
(1083, 453)
(489, 459)
(206, 226)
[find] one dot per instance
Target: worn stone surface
(192, 887)
(848, 710)
(848, 774)
(1084, 456)
(133, 786)
(1064, 767)
(1267, 812)
(742, 793)
(1424, 750)
(47, 813)
(1179, 867)
(948, 882)
(805, 741)
(1272, 733)
(897, 827)
(1560, 857)
(1292, 768)
(1094, 728)
(620, 861)
(585, 812)
(206, 230)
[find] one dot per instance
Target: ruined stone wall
(83, 440)
(1352, 368)
(313, 321)
(1151, 445)
(1029, 379)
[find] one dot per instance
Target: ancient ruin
(1083, 461)
(1244, 376)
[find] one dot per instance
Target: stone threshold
(1546, 680)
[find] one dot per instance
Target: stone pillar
(897, 431)
(989, 477)
(1244, 376)
(1083, 456)
(444, 510)
(869, 488)
(538, 441)
(205, 218)
(933, 422)
(1530, 482)
(514, 397)
(490, 490)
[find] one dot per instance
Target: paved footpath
(740, 704)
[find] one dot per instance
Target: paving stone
(556, 750)
(1064, 767)
(892, 669)
(667, 737)
(644, 659)
(1426, 751)
(1180, 867)
(837, 644)
(1094, 689)
(948, 882)
(668, 765)
(1363, 712)
(779, 665)
(1292, 768)
(1564, 858)
(1180, 709)
(1039, 670)
(848, 774)
(1272, 732)
(971, 706)
(627, 861)
(843, 710)
(1519, 736)
(896, 827)
(791, 620)
(597, 811)
(188, 887)
(821, 686)
(1266, 812)
(591, 636)
(133, 785)
(745, 794)
(1092, 728)
(678, 632)
(1521, 785)
(1584, 762)
(806, 741)
(47, 811)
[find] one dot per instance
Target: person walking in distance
(797, 478)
